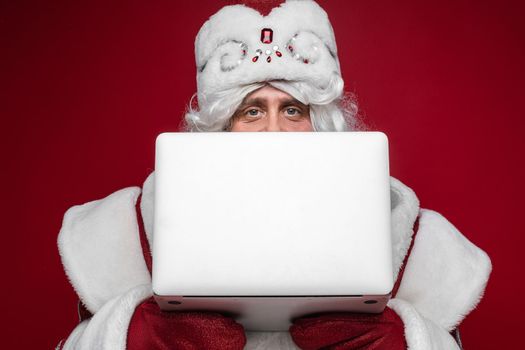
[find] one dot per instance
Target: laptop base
(259, 313)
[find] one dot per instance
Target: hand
(346, 331)
(151, 328)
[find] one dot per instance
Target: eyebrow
(258, 101)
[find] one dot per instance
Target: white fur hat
(238, 45)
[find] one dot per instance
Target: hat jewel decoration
(295, 39)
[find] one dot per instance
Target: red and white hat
(240, 45)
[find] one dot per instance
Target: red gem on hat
(266, 36)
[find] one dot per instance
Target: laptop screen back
(272, 214)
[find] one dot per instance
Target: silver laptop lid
(272, 214)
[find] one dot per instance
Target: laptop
(267, 227)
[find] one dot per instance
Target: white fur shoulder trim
(147, 207)
(100, 248)
(445, 274)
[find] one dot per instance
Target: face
(270, 109)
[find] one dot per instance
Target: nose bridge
(272, 119)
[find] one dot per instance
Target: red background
(86, 87)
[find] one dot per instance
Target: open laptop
(268, 226)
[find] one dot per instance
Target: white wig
(330, 109)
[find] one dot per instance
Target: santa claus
(266, 69)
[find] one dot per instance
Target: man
(265, 71)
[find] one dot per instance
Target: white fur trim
(100, 248)
(108, 328)
(421, 333)
(221, 64)
(445, 274)
(147, 207)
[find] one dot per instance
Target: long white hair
(330, 108)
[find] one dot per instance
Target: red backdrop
(86, 87)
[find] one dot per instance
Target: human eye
(253, 113)
(293, 112)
